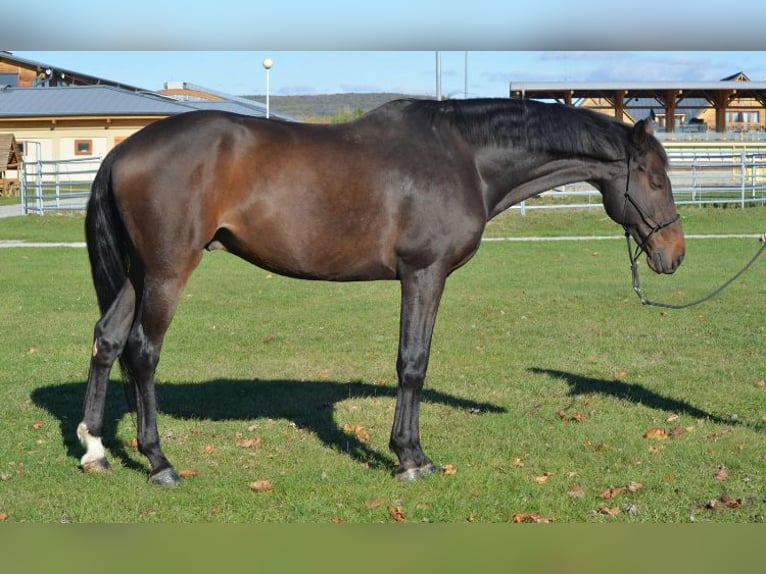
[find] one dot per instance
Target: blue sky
(411, 72)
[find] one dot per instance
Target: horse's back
(334, 202)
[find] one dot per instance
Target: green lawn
(549, 385)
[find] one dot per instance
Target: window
(22, 148)
(83, 147)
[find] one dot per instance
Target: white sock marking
(94, 448)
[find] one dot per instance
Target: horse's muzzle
(666, 249)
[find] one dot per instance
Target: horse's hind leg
(110, 335)
(141, 356)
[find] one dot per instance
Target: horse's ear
(641, 132)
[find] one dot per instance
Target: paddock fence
(701, 176)
(55, 186)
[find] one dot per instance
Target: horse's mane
(536, 126)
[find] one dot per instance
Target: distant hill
(326, 106)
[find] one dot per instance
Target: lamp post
(438, 76)
(267, 64)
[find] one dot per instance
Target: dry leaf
(520, 517)
(760, 384)
(249, 442)
(722, 473)
(518, 462)
(396, 513)
(611, 492)
(471, 517)
(261, 486)
(544, 478)
(576, 491)
(37, 425)
(374, 503)
(672, 417)
(725, 500)
(336, 520)
(209, 449)
(656, 434)
(3, 516)
(324, 374)
(449, 469)
(575, 417)
(619, 375)
(187, 473)
(635, 486)
(677, 431)
(357, 430)
(613, 511)
(267, 338)
(730, 502)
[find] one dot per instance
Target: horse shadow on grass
(634, 393)
(307, 404)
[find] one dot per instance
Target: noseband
(653, 227)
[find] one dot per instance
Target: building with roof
(58, 114)
(734, 104)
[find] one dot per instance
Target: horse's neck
(509, 176)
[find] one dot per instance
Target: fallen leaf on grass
(520, 517)
(357, 430)
(249, 442)
(209, 449)
(619, 375)
(609, 511)
(574, 417)
(187, 473)
(3, 516)
(374, 503)
(656, 434)
(37, 425)
(723, 501)
(634, 486)
(576, 491)
(267, 338)
(336, 520)
(261, 486)
(396, 513)
(611, 492)
(449, 469)
(544, 478)
(722, 473)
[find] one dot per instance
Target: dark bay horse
(402, 193)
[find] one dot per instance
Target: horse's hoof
(166, 477)
(413, 474)
(99, 465)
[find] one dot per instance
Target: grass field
(552, 393)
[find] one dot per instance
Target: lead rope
(644, 301)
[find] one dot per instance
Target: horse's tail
(106, 238)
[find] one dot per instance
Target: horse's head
(640, 199)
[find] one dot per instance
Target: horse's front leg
(421, 292)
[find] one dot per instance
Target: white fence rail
(699, 177)
(48, 186)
